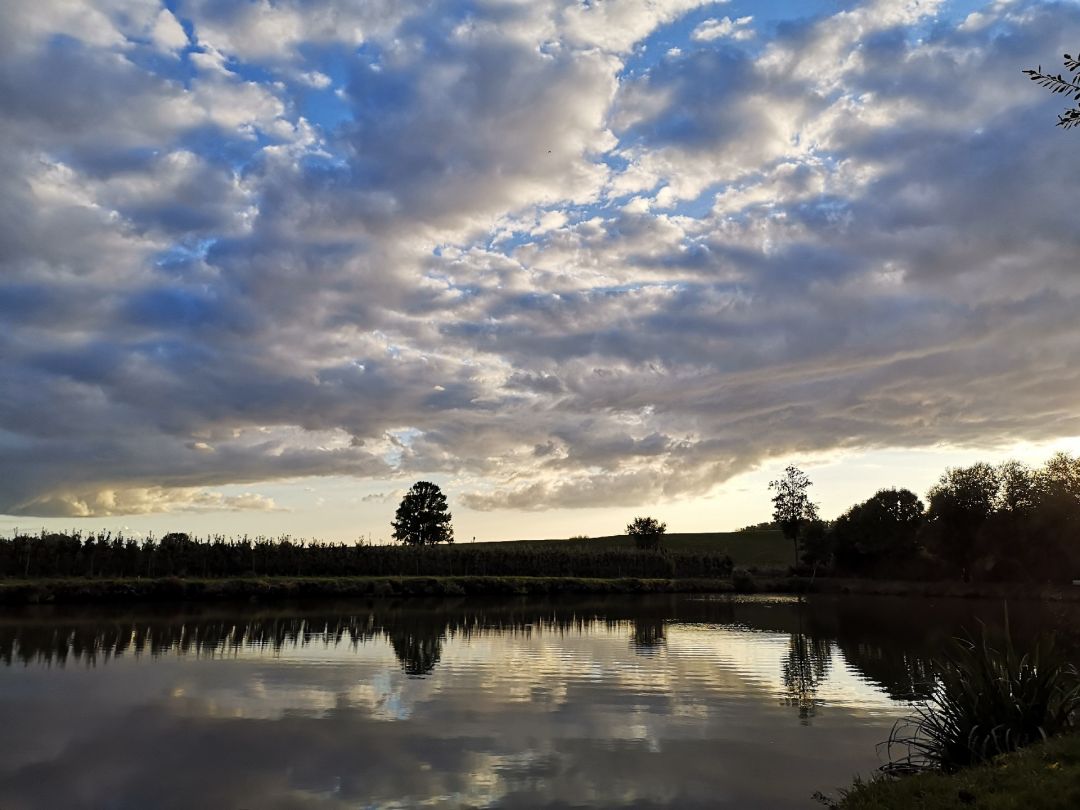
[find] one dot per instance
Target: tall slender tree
(792, 507)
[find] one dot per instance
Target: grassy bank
(43, 591)
(1042, 777)
(194, 589)
(200, 589)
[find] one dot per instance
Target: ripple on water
(653, 702)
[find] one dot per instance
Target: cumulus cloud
(241, 244)
(152, 500)
(724, 28)
(167, 33)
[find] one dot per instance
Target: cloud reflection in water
(667, 702)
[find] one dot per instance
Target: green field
(759, 549)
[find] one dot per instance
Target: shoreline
(1045, 775)
(196, 589)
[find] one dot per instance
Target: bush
(646, 532)
(743, 581)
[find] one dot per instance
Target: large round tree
(422, 518)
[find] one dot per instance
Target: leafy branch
(1061, 84)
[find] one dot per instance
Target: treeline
(180, 555)
(1003, 523)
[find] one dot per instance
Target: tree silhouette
(883, 528)
(817, 544)
(422, 518)
(1064, 85)
(792, 508)
(646, 532)
(961, 502)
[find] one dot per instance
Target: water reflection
(646, 702)
(890, 642)
(804, 669)
(648, 634)
(418, 643)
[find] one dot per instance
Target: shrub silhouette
(646, 532)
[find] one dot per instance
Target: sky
(265, 264)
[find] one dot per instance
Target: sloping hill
(765, 548)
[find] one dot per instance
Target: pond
(660, 701)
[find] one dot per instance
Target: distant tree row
(1008, 522)
(181, 555)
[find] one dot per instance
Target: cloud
(619, 24)
(513, 248)
(134, 501)
(724, 28)
(313, 78)
(265, 31)
(357, 730)
(167, 33)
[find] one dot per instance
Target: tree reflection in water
(902, 673)
(635, 700)
(648, 636)
(889, 642)
(803, 670)
(418, 648)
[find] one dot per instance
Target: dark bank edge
(1044, 776)
(195, 589)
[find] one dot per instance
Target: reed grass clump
(988, 699)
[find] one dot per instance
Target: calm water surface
(638, 702)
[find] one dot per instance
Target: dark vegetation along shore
(197, 589)
(49, 568)
(18, 591)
